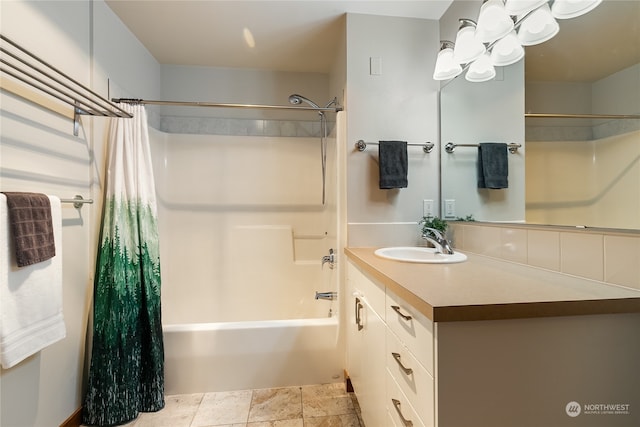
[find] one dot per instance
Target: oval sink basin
(419, 254)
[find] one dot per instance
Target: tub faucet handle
(329, 259)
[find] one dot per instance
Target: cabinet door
(366, 348)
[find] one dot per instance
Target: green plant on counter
(466, 218)
(433, 222)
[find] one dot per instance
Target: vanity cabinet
(389, 355)
(487, 343)
(366, 346)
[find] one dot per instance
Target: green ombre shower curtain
(126, 375)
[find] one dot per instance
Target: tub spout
(327, 295)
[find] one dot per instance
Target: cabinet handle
(407, 371)
(406, 422)
(358, 319)
(397, 310)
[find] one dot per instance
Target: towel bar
(451, 147)
(426, 147)
(77, 201)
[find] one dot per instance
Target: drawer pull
(405, 422)
(407, 371)
(397, 310)
(359, 307)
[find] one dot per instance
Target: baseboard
(75, 420)
(347, 382)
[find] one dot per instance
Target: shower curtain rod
(222, 105)
(581, 116)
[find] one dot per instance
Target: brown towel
(32, 227)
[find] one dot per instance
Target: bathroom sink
(419, 254)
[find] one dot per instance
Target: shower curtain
(126, 375)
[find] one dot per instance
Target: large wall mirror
(580, 160)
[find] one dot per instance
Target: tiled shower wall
(612, 257)
(245, 127)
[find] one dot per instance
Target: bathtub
(206, 357)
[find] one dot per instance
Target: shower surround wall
(243, 231)
(242, 227)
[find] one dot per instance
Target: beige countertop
(484, 288)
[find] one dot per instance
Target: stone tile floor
(326, 405)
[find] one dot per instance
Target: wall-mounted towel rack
(426, 147)
(451, 147)
(77, 201)
(28, 68)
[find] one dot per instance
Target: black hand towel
(493, 165)
(32, 227)
(392, 160)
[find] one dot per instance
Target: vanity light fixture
(507, 50)
(538, 27)
(566, 9)
(503, 28)
(522, 7)
(481, 70)
(467, 47)
(493, 22)
(446, 67)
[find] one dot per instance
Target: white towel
(30, 297)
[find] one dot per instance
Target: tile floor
(326, 405)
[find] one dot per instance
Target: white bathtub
(204, 357)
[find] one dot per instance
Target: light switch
(375, 65)
(427, 207)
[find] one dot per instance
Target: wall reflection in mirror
(581, 155)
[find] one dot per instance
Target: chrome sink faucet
(438, 240)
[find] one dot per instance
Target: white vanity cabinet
(366, 346)
(488, 343)
(389, 364)
(409, 363)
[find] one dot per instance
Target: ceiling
(299, 35)
(302, 35)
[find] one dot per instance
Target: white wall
(39, 153)
(399, 104)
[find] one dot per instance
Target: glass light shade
(538, 27)
(494, 22)
(521, 7)
(507, 50)
(467, 47)
(481, 70)
(565, 9)
(446, 67)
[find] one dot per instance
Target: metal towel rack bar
(28, 68)
(451, 147)
(426, 147)
(77, 201)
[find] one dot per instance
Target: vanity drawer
(417, 385)
(399, 408)
(413, 329)
(373, 292)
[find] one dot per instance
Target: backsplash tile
(612, 257)
(514, 245)
(543, 249)
(582, 255)
(622, 261)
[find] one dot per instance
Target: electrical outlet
(427, 207)
(450, 208)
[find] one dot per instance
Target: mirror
(578, 171)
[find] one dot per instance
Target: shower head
(296, 99)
